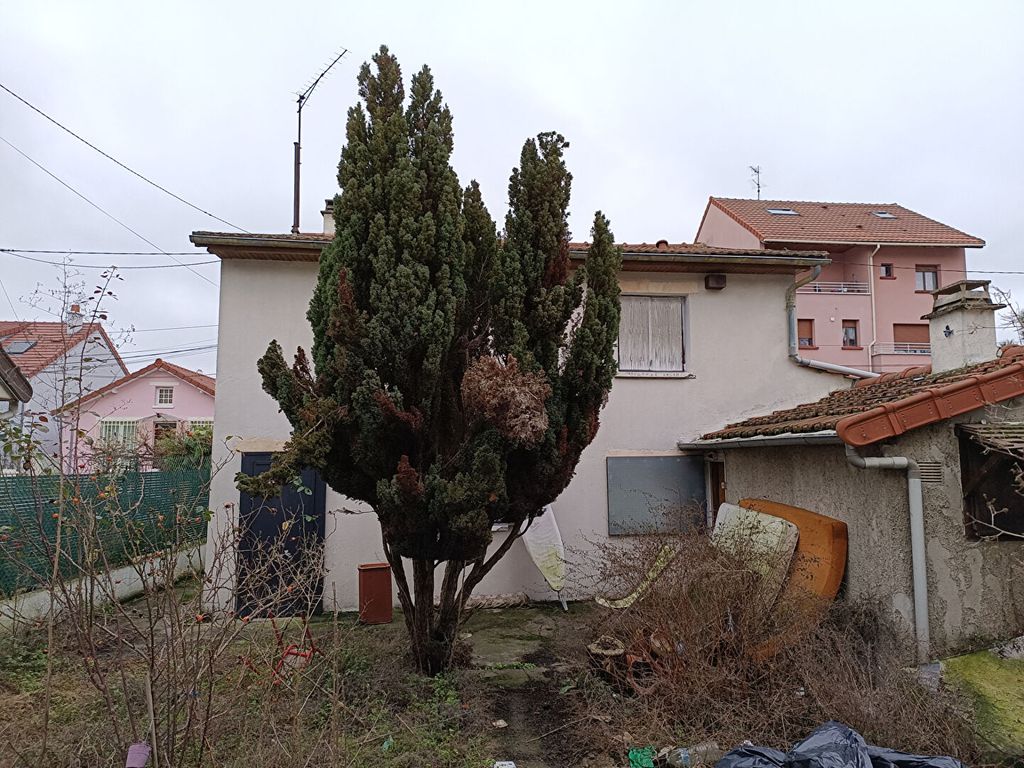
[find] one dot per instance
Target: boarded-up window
(805, 332)
(910, 333)
(651, 333)
(651, 494)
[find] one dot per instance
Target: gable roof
(693, 257)
(52, 340)
(878, 409)
(839, 223)
(198, 380)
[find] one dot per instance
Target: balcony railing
(902, 348)
(824, 286)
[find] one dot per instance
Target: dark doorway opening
(716, 479)
(281, 543)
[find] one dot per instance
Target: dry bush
(709, 653)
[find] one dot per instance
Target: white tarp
(544, 543)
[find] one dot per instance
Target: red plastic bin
(375, 602)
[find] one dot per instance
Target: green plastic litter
(641, 757)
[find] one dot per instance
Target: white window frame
(159, 389)
(683, 371)
(920, 272)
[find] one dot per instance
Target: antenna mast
(755, 178)
(303, 98)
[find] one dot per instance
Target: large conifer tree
(458, 374)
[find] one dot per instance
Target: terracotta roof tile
(894, 403)
(840, 223)
(51, 341)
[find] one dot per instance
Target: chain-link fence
(108, 521)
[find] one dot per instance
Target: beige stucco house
(705, 339)
(924, 466)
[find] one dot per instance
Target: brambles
(693, 664)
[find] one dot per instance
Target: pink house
(864, 310)
(133, 410)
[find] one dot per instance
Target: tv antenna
(303, 98)
(755, 178)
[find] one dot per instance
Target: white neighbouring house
(704, 340)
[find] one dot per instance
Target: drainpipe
(794, 348)
(917, 541)
(871, 289)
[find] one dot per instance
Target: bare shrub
(708, 653)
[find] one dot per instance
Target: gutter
(917, 539)
(979, 244)
(794, 354)
(824, 437)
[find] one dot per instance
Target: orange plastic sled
(819, 561)
(816, 572)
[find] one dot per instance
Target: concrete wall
(976, 588)
(736, 366)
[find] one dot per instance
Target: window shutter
(805, 330)
(910, 333)
(635, 334)
(666, 334)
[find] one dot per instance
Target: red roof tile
(840, 223)
(198, 380)
(876, 409)
(52, 340)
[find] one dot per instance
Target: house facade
(61, 361)
(926, 468)
(864, 309)
(127, 416)
(703, 338)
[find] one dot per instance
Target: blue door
(279, 537)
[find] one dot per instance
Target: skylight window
(782, 212)
(883, 214)
(19, 347)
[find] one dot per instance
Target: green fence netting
(108, 520)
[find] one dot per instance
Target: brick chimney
(328, 213)
(74, 318)
(962, 325)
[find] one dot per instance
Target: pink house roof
(198, 380)
(812, 222)
(52, 340)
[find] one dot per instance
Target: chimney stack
(962, 325)
(74, 318)
(328, 214)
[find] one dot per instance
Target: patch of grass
(22, 666)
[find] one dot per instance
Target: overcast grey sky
(917, 103)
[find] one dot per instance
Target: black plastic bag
(832, 745)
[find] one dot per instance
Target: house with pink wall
(865, 309)
(134, 410)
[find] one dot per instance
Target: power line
(114, 160)
(104, 212)
(9, 300)
(100, 253)
(172, 328)
(12, 252)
